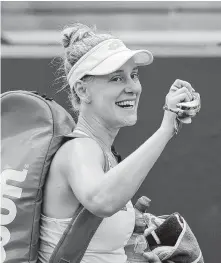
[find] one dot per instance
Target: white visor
(105, 58)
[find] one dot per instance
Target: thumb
(151, 257)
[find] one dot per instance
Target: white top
(107, 244)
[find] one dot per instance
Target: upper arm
(82, 162)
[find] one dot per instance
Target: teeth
(126, 103)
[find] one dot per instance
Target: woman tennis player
(105, 89)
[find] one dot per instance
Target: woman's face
(115, 97)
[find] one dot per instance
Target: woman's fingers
(194, 104)
(178, 83)
(151, 257)
(173, 89)
(183, 90)
(182, 97)
(183, 101)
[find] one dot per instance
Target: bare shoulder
(77, 152)
(80, 162)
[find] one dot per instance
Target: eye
(135, 75)
(117, 79)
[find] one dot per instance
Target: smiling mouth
(127, 104)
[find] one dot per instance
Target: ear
(82, 91)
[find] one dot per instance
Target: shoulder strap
(80, 134)
(77, 236)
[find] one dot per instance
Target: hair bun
(75, 33)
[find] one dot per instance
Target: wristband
(177, 122)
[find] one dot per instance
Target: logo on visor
(115, 45)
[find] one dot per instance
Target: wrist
(168, 119)
(170, 125)
(167, 132)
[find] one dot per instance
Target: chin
(129, 121)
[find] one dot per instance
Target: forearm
(121, 182)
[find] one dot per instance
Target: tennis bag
(33, 129)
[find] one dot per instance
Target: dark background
(187, 176)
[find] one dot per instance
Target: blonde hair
(77, 40)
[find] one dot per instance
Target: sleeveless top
(107, 244)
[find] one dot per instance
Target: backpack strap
(77, 236)
(81, 134)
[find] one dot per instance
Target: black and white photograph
(110, 131)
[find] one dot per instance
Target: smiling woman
(113, 98)
(102, 74)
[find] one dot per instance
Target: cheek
(108, 98)
(139, 87)
(139, 91)
(103, 103)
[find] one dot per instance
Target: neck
(95, 128)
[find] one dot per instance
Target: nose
(132, 87)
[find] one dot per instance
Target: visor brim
(114, 62)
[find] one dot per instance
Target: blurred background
(185, 38)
